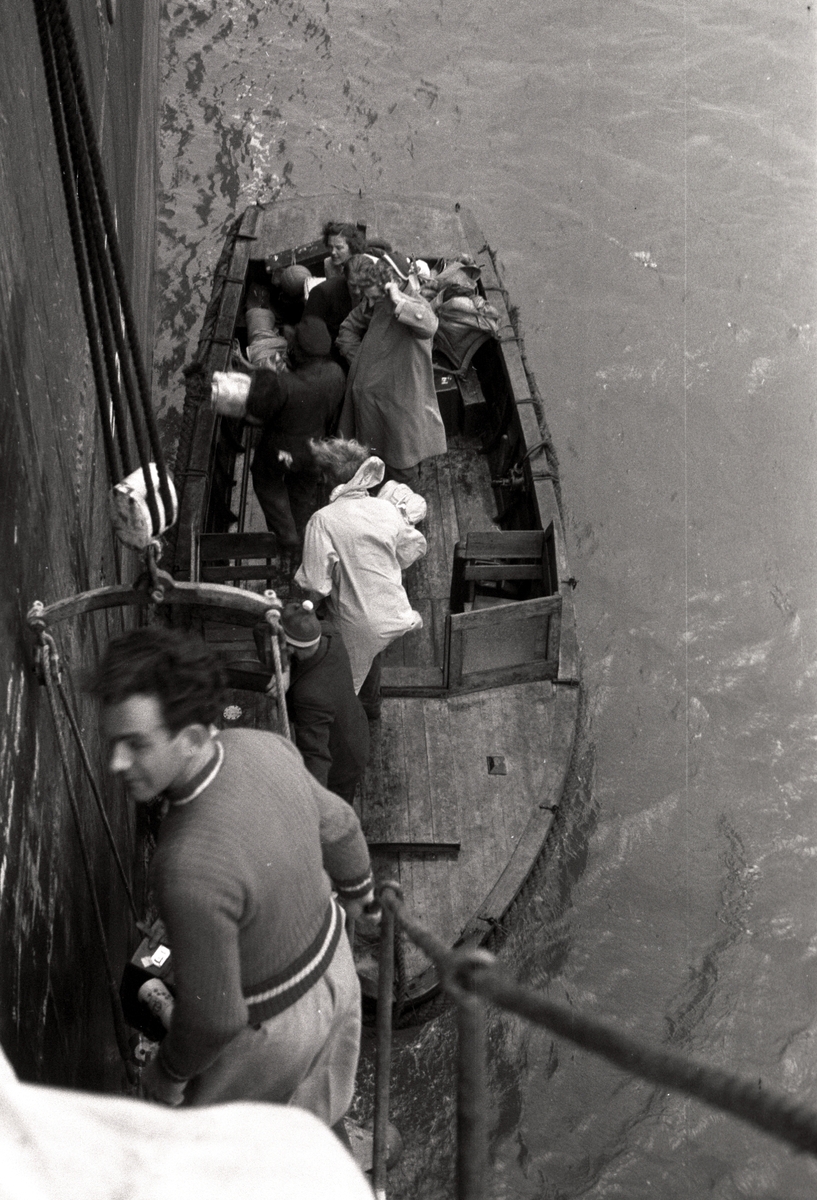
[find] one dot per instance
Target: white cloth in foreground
(64, 1145)
(354, 551)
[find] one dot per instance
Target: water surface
(646, 172)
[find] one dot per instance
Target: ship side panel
(55, 539)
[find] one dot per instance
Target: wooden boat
(470, 758)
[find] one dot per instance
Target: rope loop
(461, 969)
(389, 885)
(48, 657)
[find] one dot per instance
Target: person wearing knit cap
(329, 723)
(293, 406)
(390, 402)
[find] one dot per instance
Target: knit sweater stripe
(276, 994)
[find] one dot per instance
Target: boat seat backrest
(234, 557)
(503, 556)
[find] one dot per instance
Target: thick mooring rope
(773, 1112)
(102, 282)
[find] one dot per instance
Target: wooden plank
(449, 849)
(372, 808)
(395, 825)
(439, 613)
(470, 485)
(438, 534)
(505, 543)
(500, 571)
(237, 545)
(533, 837)
(418, 646)
(502, 644)
(445, 814)
(514, 367)
(467, 718)
(411, 681)
(418, 792)
(531, 432)
(245, 571)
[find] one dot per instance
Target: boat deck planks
(428, 782)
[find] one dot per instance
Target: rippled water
(647, 172)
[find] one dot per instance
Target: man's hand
(155, 933)
(392, 291)
(366, 907)
(160, 1087)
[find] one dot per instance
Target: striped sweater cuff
(354, 889)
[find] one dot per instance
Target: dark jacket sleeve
(268, 394)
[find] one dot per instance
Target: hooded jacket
(355, 550)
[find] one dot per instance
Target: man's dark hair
(179, 669)
(355, 238)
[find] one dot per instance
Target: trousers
(306, 1056)
(288, 499)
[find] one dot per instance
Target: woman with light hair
(355, 550)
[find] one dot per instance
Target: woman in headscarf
(355, 550)
(390, 401)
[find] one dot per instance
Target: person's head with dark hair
(161, 692)
(342, 239)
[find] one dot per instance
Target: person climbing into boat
(327, 718)
(293, 407)
(267, 1000)
(355, 549)
(390, 402)
(342, 239)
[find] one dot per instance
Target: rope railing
(470, 975)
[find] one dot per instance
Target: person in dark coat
(390, 403)
(293, 406)
(328, 720)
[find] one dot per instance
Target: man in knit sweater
(267, 999)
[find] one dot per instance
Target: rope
(97, 237)
(120, 1030)
(115, 464)
(385, 999)
(773, 1112)
(50, 657)
(100, 271)
(109, 223)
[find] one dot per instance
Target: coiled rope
(100, 271)
(467, 972)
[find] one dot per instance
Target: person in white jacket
(355, 550)
(56, 1143)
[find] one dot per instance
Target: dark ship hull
(56, 537)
